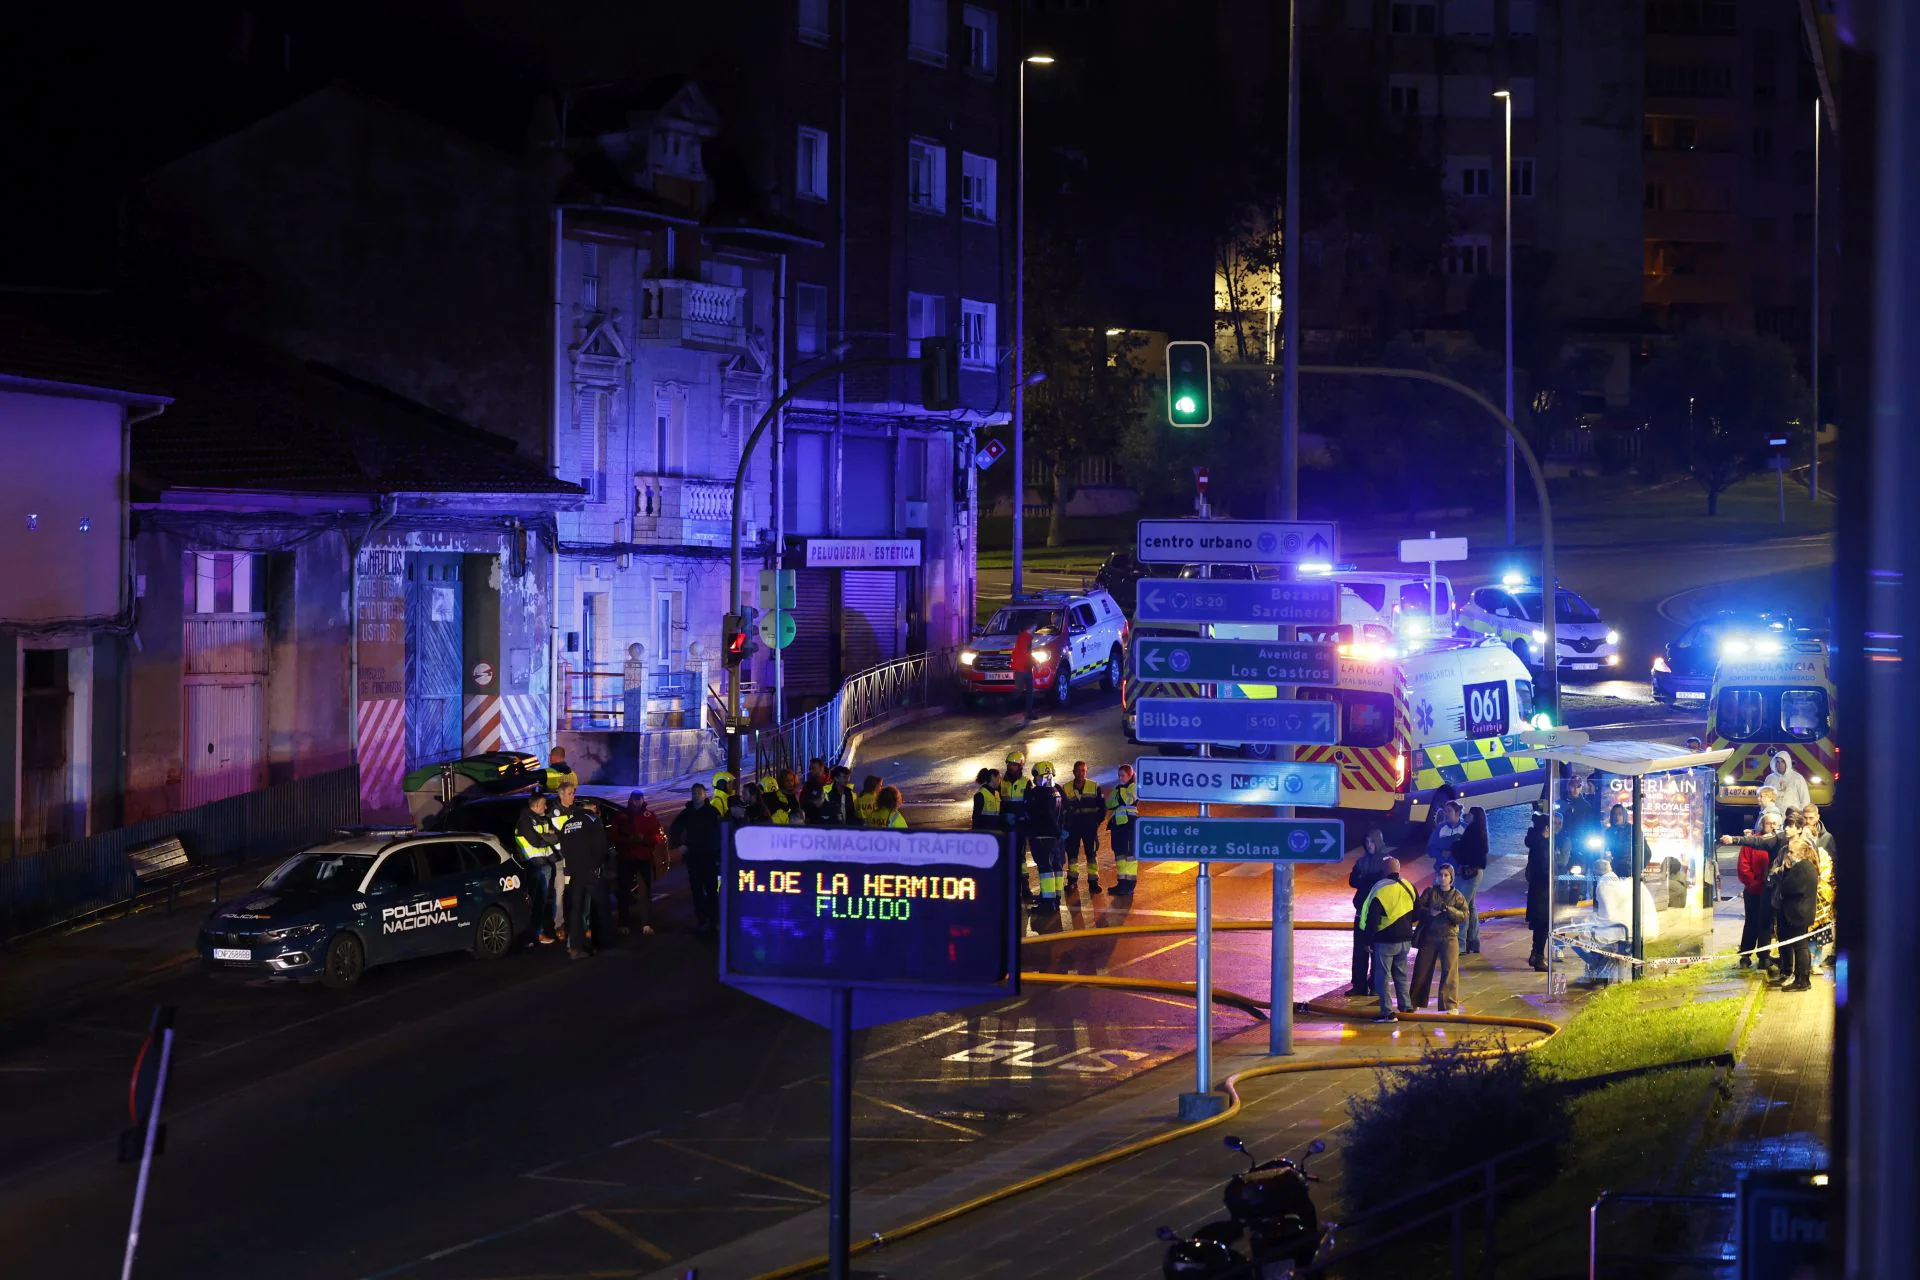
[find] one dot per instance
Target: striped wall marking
(383, 753)
(523, 723)
(481, 724)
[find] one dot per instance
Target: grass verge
(1641, 1024)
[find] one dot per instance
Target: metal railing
(76, 879)
(1484, 1186)
(922, 680)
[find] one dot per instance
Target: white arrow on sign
(1326, 842)
(1152, 661)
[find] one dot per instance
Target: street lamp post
(1020, 324)
(1813, 334)
(1506, 190)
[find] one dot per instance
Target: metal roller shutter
(869, 618)
(809, 659)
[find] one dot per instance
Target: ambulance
(1449, 713)
(1777, 696)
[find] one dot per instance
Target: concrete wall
(62, 507)
(371, 239)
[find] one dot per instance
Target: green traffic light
(1185, 404)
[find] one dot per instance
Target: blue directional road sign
(1255, 721)
(1234, 541)
(1238, 601)
(1236, 661)
(1311, 785)
(1241, 840)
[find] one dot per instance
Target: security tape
(1686, 962)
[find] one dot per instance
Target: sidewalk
(1101, 1222)
(53, 970)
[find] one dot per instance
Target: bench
(159, 863)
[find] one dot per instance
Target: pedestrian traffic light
(939, 373)
(1189, 384)
(736, 639)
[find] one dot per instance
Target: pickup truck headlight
(1041, 657)
(967, 656)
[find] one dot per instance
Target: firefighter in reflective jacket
(986, 802)
(1120, 824)
(1086, 805)
(1013, 807)
(722, 797)
(537, 835)
(1043, 827)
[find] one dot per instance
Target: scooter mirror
(1315, 1147)
(1234, 1144)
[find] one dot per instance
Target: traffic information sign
(1230, 601)
(1246, 721)
(1236, 661)
(1234, 541)
(1241, 840)
(1313, 785)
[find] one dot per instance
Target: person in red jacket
(1757, 932)
(637, 841)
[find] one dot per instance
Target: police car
(1078, 637)
(1512, 613)
(368, 899)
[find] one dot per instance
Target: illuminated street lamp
(1506, 190)
(1020, 326)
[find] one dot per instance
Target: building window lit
(978, 187)
(977, 334)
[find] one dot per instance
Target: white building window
(1468, 256)
(1470, 176)
(983, 36)
(590, 277)
(1520, 19)
(1412, 95)
(813, 21)
(1523, 177)
(809, 319)
(1412, 18)
(977, 349)
(669, 429)
(927, 176)
(926, 318)
(927, 31)
(226, 582)
(979, 190)
(1469, 18)
(592, 414)
(810, 164)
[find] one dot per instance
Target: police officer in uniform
(1120, 824)
(1085, 807)
(837, 802)
(586, 852)
(1013, 806)
(536, 837)
(986, 802)
(1043, 826)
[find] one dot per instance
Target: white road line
(908, 1044)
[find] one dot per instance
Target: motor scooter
(1269, 1206)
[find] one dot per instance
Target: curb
(858, 737)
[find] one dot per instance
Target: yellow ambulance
(1774, 695)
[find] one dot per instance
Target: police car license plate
(1688, 695)
(1586, 666)
(998, 677)
(232, 953)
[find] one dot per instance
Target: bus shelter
(1636, 872)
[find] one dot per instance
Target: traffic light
(1189, 384)
(736, 638)
(939, 373)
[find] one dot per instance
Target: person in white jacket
(1788, 783)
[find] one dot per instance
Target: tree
(1714, 399)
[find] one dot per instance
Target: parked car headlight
(291, 932)
(1539, 637)
(967, 656)
(1613, 637)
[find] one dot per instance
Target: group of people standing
(590, 878)
(1059, 825)
(1786, 878)
(1393, 918)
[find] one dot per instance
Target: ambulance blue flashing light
(1511, 579)
(1315, 568)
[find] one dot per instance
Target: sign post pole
(1202, 1103)
(1280, 949)
(840, 1156)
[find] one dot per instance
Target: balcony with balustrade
(693, 313)
(688, 511)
